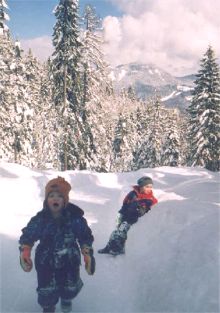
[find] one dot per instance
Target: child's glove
(25, 258)
(89, 259)
(142, 210)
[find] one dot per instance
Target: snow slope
(172, 258)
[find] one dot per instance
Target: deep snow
(172, 258)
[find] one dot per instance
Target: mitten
(89, 259)
(25, 258)
(142, 210)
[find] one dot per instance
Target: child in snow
(137, 203)
(62, 231)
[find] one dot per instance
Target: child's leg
(117, 240)
(70, 282)
(48, 293)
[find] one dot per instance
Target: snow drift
(172, 258)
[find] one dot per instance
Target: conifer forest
(66, 114)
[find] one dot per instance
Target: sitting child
(62, 231)
(137, 203)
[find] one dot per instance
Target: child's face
(55, 202)
(146, 189)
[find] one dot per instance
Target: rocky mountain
(148, 80)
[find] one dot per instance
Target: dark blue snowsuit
(135, 205)
(57, 257)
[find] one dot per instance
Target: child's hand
(89, 259)
(25, 258)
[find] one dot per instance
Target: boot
(115, 251)
(50, 309)
(105, 250)
(66, 306)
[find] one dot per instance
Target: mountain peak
(148, 79)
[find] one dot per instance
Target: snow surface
(184, 88)
(169, 97)
(172, 256)
(121, 74)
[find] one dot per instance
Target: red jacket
(134, 201)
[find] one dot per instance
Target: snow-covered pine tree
(204, 122)
(6, 45)
(16, 107)
(131, 93)
(46, 134)
(103, 126)
(122, 153)
(74, 141)
(149, 153)
(6, 54)
(171, 149)
(92, 57)
(15, 113)
(6, 150)
(95, 78)
(4, 17)
(142, 123)
(183, 133)
(125, 136)
(22, 110)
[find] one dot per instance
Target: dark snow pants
(118, 238)
(57, 283)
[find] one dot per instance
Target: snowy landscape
(172, 258)
(148, 79)
(102, 126)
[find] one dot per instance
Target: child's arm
(85, 239)
(154, 200)
(31, 233)
(127, 201)
(84, 233)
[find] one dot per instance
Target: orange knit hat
(58, 184)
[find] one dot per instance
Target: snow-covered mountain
(147, 79)
(172, 254)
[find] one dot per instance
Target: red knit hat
(60, 185)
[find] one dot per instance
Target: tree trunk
(64, 119)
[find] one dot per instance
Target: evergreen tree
(95, 80)
(74, 142)
(149, 153)
(171, 149)
(121, 146)
(6, 45)
(204, 115)
(16, 115)
(126, 135)
(4, 17)
(95, 69)
(46, 134)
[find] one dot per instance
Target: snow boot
(66, 306)
(50, 309)
(114, 252)
(105, 250)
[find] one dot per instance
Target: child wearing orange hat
(62, 232)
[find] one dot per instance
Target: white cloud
(172, 34)
(41, 46)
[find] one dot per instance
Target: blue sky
(172, 34)
(34, 18)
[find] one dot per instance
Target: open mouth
(56, 205)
